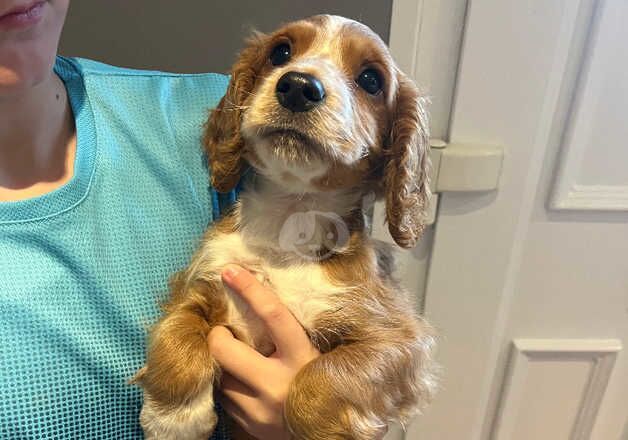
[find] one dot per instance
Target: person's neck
(37, 141)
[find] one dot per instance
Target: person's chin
(18, 78)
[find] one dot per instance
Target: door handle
(465, 167)
(460, 167)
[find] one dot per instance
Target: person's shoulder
(210, 87)
(91, 67)
(171, 95)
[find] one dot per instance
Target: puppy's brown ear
(406, 174)
(222, 138)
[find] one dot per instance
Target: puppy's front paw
(195, 420)
(319, 407)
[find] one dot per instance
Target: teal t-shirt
(82, 269)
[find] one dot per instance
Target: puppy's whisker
(247, 92)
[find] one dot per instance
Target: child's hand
(255, 387)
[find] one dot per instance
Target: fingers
(232, 387)
(238, 393)
(251, 412)
(237, 358)
(240, 403)
(289, 337)
(236, 414)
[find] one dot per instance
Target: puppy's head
(319, 105)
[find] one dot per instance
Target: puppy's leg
(355, 390)
(180, 373)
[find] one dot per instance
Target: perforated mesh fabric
(82, 269)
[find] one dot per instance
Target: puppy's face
(322, 104)
(319, 105)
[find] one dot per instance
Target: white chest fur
(303, 287)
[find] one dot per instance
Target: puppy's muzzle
(299, 92)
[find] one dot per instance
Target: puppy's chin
(292, 147)
(286, 159)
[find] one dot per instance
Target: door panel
(592, 173)
(554, 388)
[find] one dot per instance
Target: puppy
(316, 119)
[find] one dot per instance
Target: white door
(528, 284)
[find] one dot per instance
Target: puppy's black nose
(299, 92)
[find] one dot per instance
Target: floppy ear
(222, 138)
(406, 171)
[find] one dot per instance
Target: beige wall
(191, 35)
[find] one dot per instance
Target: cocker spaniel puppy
(316, 119)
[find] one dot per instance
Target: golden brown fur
(406, 172)
(376, 365)
(223, 128)
(377, 355)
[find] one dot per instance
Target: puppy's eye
(371, 81)
(280, 54)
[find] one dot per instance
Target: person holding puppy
(104, 194)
